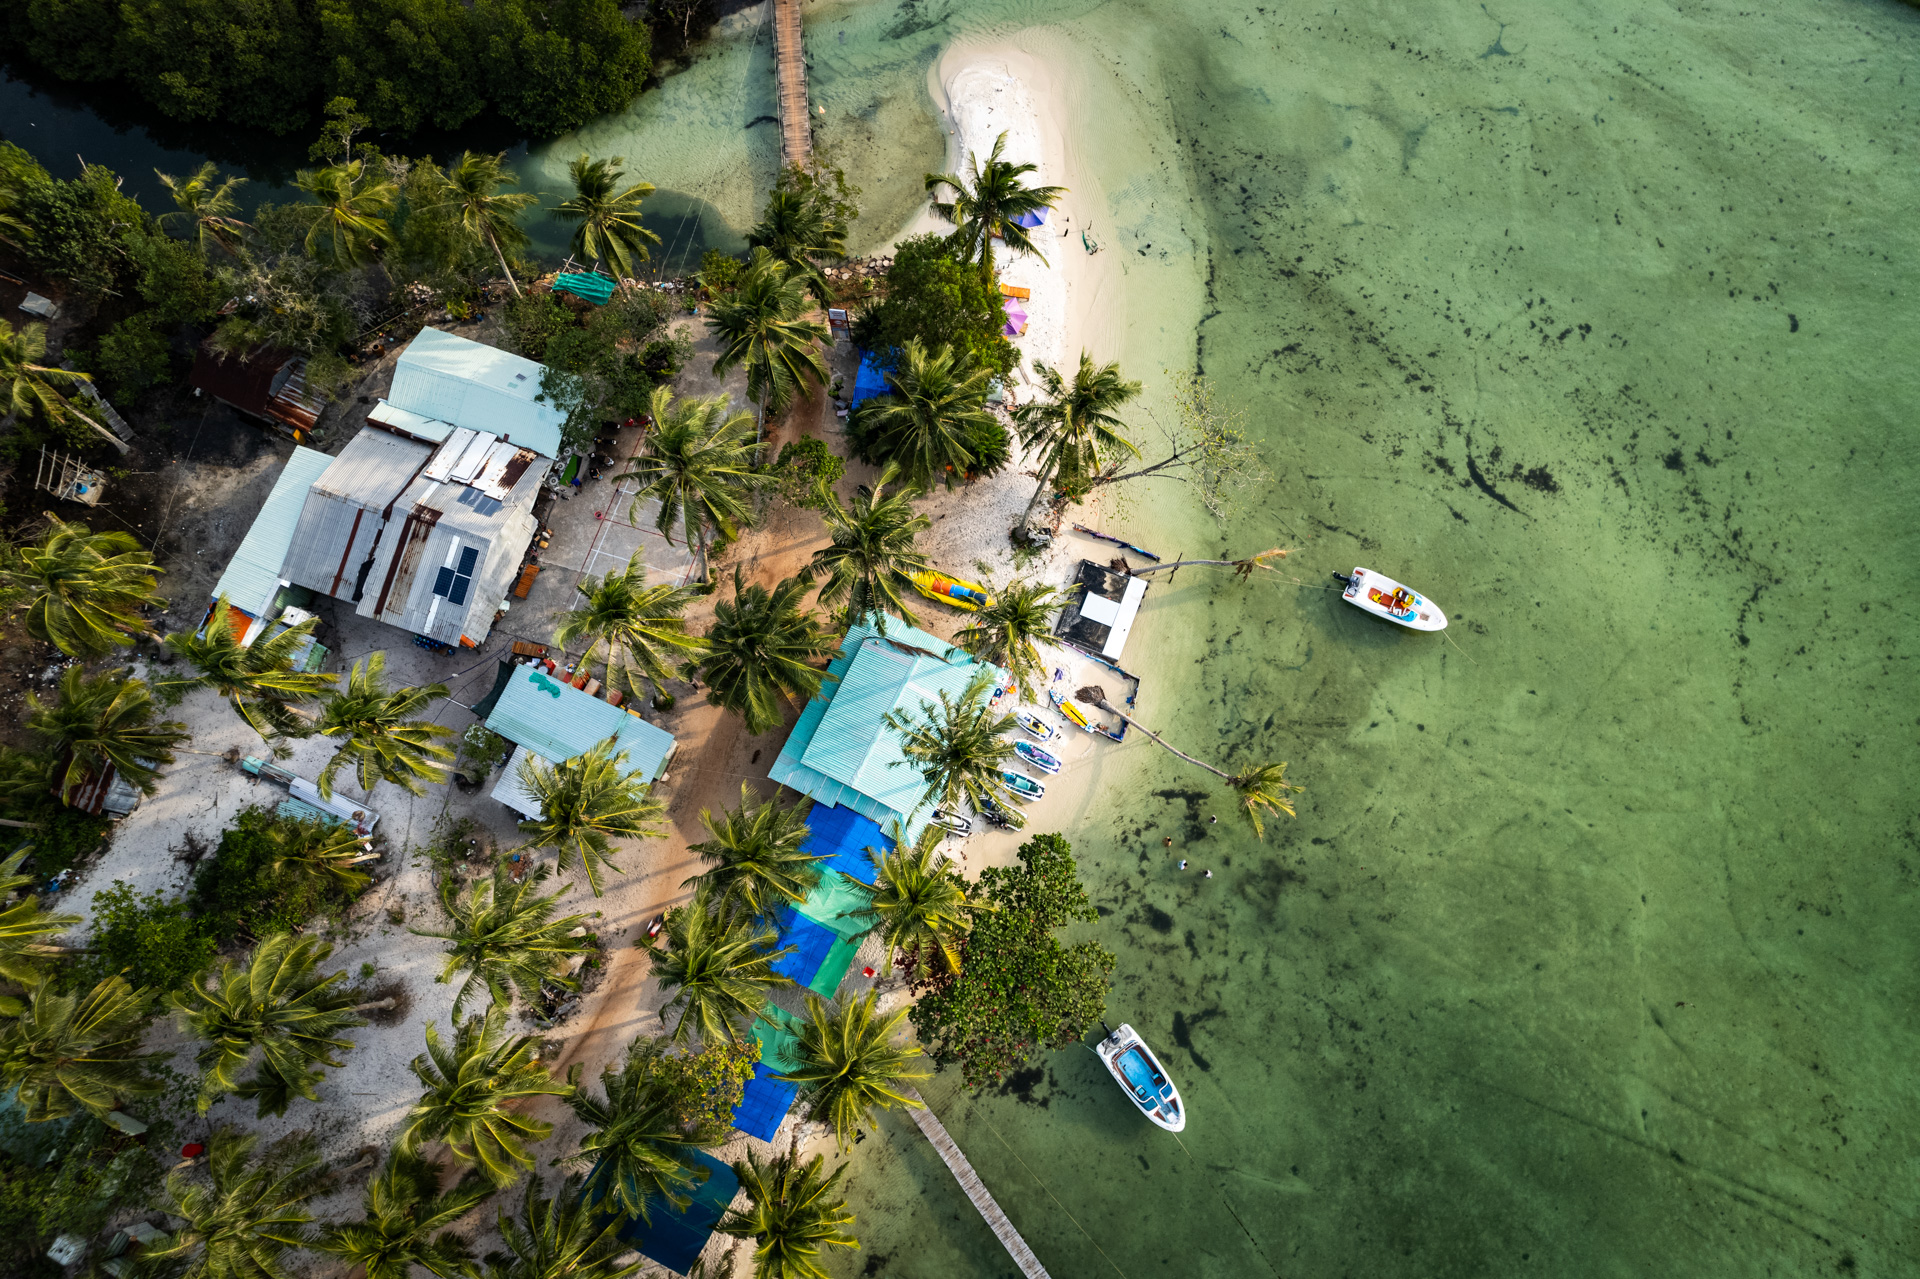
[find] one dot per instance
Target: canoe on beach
(1035, 725)
(1036, 757)
(958, 592)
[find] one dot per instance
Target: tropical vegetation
(960, 747)
(639, 1152)
(205, 203)
(100, 722)
(933, 423)
(930, 296)
(1074, 429)
(407, 1222)
(917, 903)
(851, 1064)
(259, 680)
(470, 192)
(1262, 789)
(26, 953)
(755, 856)
(504, 936)
(246, 1217)
(69, 1052)
(1004, 632)
(586, 803)
(804, 225)
(698, 464)
(871, 551)
(761, 647)
(85, 590)
(606, 215)
(381, 737)
(469, 1084)
(988, 202)
(31, 389)
(560, 1236)
(763, 325)
(719, 964)
(792, 1215)
(643, 628)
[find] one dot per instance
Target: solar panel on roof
(443, 582)
(458, 594)
(467, 558)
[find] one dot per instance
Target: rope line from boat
(1223, 1190)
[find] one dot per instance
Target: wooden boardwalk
(976, 1190)
(790, 75)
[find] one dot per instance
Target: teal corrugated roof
(252, 578)
(557, 721)
(448, 378)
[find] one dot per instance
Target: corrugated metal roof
(557, 721)
(252, 577)
(396, 418)
(343, 509)
(450, 379)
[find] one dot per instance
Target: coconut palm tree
(472, 195)
(469, 1084)
(68, 1052)
(1074, 428)
(86, 589)
(959, 746)
(347, 222)
(761, 325)
(276, 1004)
(871, 549)
(721, 964)
(698, 463)
(30, 388)
(644, 627)
(987, 203)
(801, 231)
(259, 680)
(562, 1237)
(1263, 789)
(403, 1207)
(24, 926)
(639, 1150)
(383, 740)
(586, 803)
(101, 722)
(917, 903)
(204, 203)
(606, 216)
(933, 423)
(505, 937)
(850, 1065)
(791, 1216)
(755, 851)
(1003, 632)
(323, 851)
(243, 1222)
(759, 648)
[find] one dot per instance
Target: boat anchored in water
(1036, 757)
(1136, 1069)
(1383, 597)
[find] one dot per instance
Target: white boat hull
(1140, 1076)
(1374, 593)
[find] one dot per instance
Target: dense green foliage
(602, 363)
(804, 466)
(933, 422)
(160, 940)
(256, 884)
(1019, 987)
(932, 296)
(540, 66)
(65, 1176)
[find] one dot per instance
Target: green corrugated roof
(252, 578)
(557, 721)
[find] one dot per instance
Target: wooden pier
(790, 75)
(976, 1189)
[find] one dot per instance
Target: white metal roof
(447, 378)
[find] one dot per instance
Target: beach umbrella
(1016, 319)
(1031, 218)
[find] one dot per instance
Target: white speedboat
(1137, 1070)
(1036, 757)
(1380, 595)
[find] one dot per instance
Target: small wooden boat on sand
(958, 592)
(1035, 725)
(1138, 1072)
(1036, 757)
(1380, 595)
(1022, 787)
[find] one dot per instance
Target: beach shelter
(1016, 319)
(676, 1236)
(843, 836)
(869, 381)
(765, 1101)
(594, 288)
(1035, 218)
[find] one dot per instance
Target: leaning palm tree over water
(639, 1150)
(76, 1051)
(698, 464)
(383, 739)
(205, 203)
(792, 1214)
(403, 1209)
(32, 389)
(469, 1085)
(101, 722)
(84, 589)
(763, 326)
(872, 549)
(850, 1064)
(586, 803)
(606, 215)
(259, 680)
(719, 963)
(25, 930)
(988, 202)
(243, 1221)
(471, 193)
(561, 1236)
(933, 423)
(760, 648)
(917, 903)
(959, 747)
(347, 221)
(1074, 428)
(801, 231)
(755, 855)
(1003, 632)
(504, 937)
(643, 627)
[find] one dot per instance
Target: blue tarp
(675, 1238)
(869, 381)
(812, 942)
(594, 288)
(843, 836)
(764, 1103)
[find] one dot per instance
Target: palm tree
(205, 203)
(699, 465)
(761, 326)
(23, 926)
(799, 231)
(850, 1065)
(76, 1051)
(259, 680)
(959, 746)
(642, 626)
(86, 588)
(1074, 428)
(721, 964)
(323, 851)
(242, 1224)
(347, 221)
(759, 648)
(934, 423)
(471, 193)
(639, 1150)
(101, 722)
(562, 1237)
(383, 740)
(404, 1206)
(756, 855)
(791, 1215)
(917, 903)
(989, 205)
(468, 1087)
(505, 937)
(607, 219)
(586, 803)
(1003, 632)
(1262, 789)
(872, 548)
(29, 388)
(278, 1004)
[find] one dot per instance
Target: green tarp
(594, 288)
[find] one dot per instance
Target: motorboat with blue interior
(1137, 1070)
(1021, 787)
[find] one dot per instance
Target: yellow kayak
(970, 596)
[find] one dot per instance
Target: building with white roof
(444, 382)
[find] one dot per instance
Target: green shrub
(133, 358)
(719, 271)
(64, 1176)
(239, 892)
(931, 295)
(801, 465)
(158, 944)
(61, 836)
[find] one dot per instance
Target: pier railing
(962, 1170)
(790, 77)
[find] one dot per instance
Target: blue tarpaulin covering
(764, 1103)
(1033, 219)
(843, 837)
(812, 942)
(869, 381)
(675, 1237)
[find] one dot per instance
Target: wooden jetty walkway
(790, 75)
(976, 1189)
